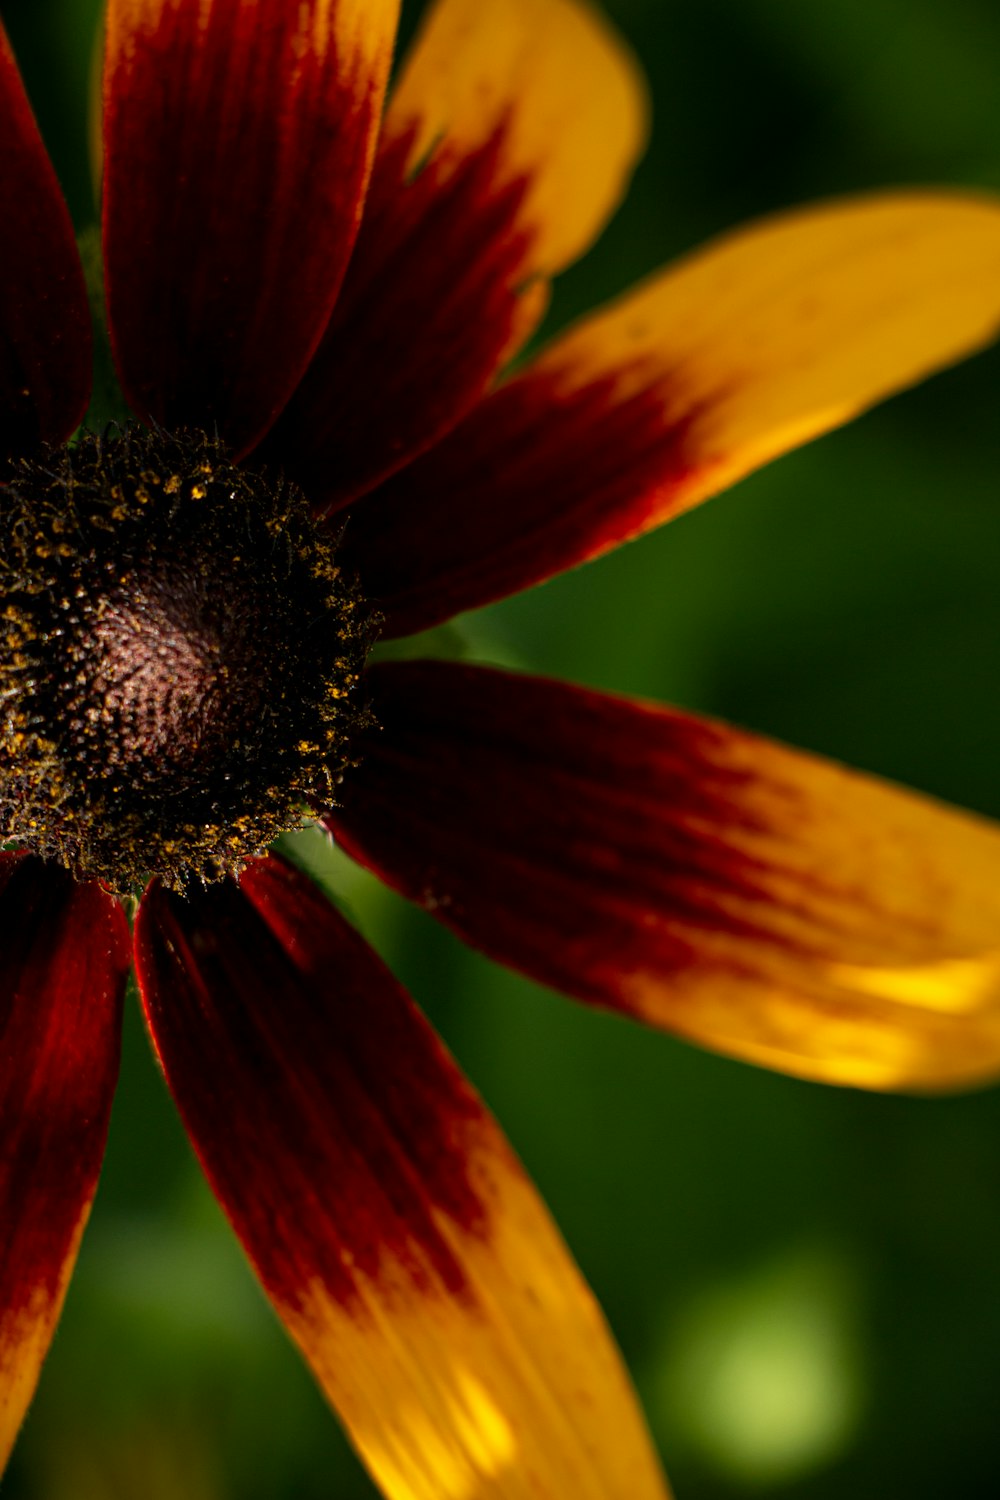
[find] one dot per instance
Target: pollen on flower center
(179, 659)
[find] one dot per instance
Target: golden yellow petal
(560, 87)
(508, 1390)
(393, 1229)
(785, 329)
(860, 943)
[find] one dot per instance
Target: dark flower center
(179, 659)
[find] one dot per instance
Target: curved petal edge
(508, 140)
(64, 956)
(45, 334)
(747, 349)
(762, 902)
(390, 1224)
(238, 142)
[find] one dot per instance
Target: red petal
(285, 987)
(508, 140)
(519, 492)
(45, 340)
(389, 1222)
(64, 954)
(760, 901)
(238, 140)
(432, 300)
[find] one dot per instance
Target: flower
(321, 450)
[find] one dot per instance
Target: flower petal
(749, 348)
(759, 901)
(238, 140)
(45, 339)
(388, 1220)
(507, 143)
(64, 954)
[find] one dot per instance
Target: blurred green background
(804, 1281)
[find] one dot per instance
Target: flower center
(179, 659)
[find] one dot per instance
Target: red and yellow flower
(309, 299)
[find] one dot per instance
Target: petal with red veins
(64, 955)
(759, 901)
(389, 1222)
(749, 348)
(45, 339)
(508, 141)
(238, 142)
